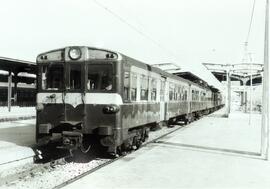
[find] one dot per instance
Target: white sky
(195, 31)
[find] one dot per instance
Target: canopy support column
(9, 90)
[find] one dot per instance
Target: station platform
(17, 133)
(213, 152)
(17, 113)
(16, 140)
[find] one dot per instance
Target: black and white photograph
(143, 94)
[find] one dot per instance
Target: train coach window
(52, 77)
(202, 96)
(153, 89)
(182, 94)
(185, 96)
(75, 77)
(178, 93)
(171, 91)
(133, 87)
(126, 85)
(144, 87)
(175, 96)
(197, 96)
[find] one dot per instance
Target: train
(86, 93)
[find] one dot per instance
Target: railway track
(111, 161)
(43, 174)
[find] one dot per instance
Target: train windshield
(100, 78)
(74, 77)
(52, 77)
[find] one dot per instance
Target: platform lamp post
(265, 102)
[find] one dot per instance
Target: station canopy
(168, 67)
(17, 66)
(24, 71)
(241, 71)
(176, 70)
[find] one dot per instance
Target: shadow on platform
(247, 154)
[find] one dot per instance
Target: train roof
(120, 57)
(187, 77)
(152, 68)
(59, 55)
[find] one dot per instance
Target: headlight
(111, 109)
(74, 53)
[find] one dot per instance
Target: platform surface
(17, 113)
(16, 140)
(213, 152)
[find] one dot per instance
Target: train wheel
(137, 142)
(121, 151)
(145, 134)
(156, 126)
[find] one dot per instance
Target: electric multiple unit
(88, 93)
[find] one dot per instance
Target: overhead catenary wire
(140, 32)
(251, 20)
(246, 43)
(245, 56)
(158, 44)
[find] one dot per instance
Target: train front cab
(78, 98)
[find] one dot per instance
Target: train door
(162, 98)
